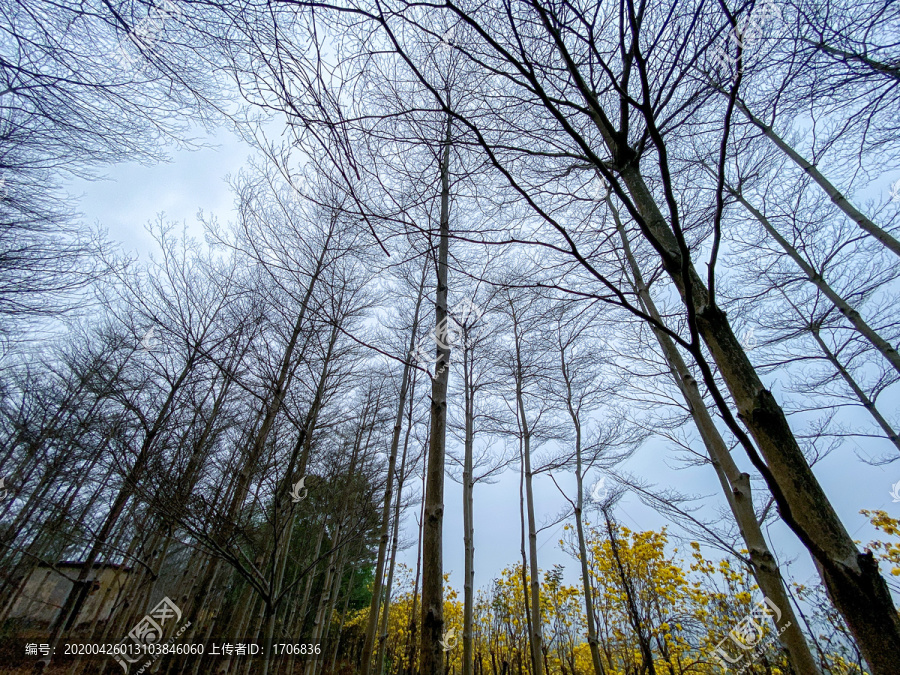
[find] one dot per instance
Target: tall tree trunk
(297, 463)
(395, 541)
(388, 586)
(835, 195)
(523, 553)
(579, 524)
(883, 346)
(78, 594)
(468, 515)
(271, 612)
(852, 578)
(304, 605)
(10, 591)
(413, 627)
(536, 636)
(320, 627)
(332, 603)
(237, 626)
(866, 402)
(340, 631)
(431, 660)
(272, 406)
(287, 665)
(735, 484)
(375, 605)
(630, 601)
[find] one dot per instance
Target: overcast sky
(194, 181)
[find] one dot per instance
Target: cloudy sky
(195, 181)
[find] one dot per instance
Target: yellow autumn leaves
(648, 599)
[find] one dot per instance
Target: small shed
(45, 590)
